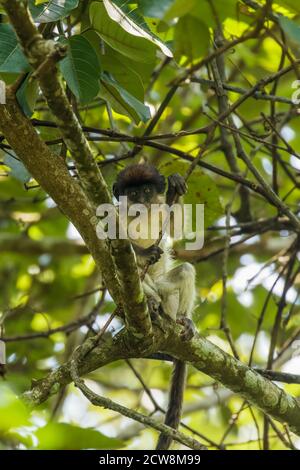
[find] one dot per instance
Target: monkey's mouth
(146, 204)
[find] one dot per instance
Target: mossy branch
(199, 352)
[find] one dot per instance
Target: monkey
(169, 289)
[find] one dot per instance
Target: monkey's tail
(173, 413)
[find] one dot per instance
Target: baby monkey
(169, 289)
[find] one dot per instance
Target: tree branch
(104, 402)
(122, 256)
(51, 172)
(199, 352)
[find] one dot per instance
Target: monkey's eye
(147, 190)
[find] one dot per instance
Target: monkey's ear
(116, 190)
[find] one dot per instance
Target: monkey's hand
(176, 185)
(153, 253)
(188, 330)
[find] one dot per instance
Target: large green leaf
(12, 411)
(291, 28)
(122, 69)
(122, 101)
(155, 8)
(290, 4)
(203, 10)
(125, 76)
(179, 8)
(191, 38)
(27, 95)
(107, 53)
(63, 436)
(52, 11)
(81, 69)
(12, 59)
(136, 48)
(201, 190)
(18, 170)
(143, 70)
(133, 23)
(223, 8)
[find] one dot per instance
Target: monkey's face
(141, 194)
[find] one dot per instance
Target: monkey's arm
(176, 185)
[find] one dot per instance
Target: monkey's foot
(154, 308)
(188, 330)
(178, 184)
(154, 252)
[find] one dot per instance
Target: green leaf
(52, 11)
(290, 4)
(12, 59)
(12, 411)
(202, 10)
(121, 101)
(109, 57)
(201, 190)
(27, 95)
(126, 77)
(291, 28)
(122, 69)
(224, 9)
(136, 48)
(8, 78)
(155, 8)
(133, 23)
(180, 8)
(62, 436)
(81, 69)
(191, 38)
(18, 170)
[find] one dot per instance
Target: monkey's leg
(181, 279)
(183, 276)
(187, 298)
(153, 299)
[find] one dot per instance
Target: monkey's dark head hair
(137, 175)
